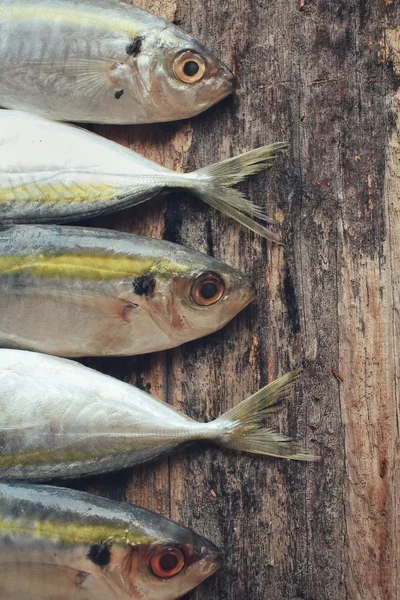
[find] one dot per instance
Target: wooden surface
(322, 75)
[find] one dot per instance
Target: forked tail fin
(214, 185)
(241, 428)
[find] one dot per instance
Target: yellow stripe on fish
(43, 456)
(88, 267)
(73, 532)
(46, 193)
(72, 16)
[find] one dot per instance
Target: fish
(62, 420)
(55, 173)
(62, 544)
(104, 61)
(76, 291)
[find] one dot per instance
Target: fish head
(198, 296)
(180, 77)
(175, 560)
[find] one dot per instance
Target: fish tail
(214, 185)
(241, 428)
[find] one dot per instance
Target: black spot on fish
(144, 285)
(291, 302)
(99, 554)
(118, 94)
(134, 48)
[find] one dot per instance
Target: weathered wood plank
(321, 75)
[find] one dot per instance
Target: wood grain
(322, 76)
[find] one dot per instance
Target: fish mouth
(228, 82)
(247, 290)
(232, 80)
(221, 83)
(229, 78)
(209, 558)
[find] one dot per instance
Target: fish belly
(47, 578)
(75, 323)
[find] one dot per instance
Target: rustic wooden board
(323, 76)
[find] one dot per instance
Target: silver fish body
(60, 420)
(103, 61)
(53, 173)
(73, 291)
(59, 544)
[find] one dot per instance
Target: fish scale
(60, 420)
(87, 292)
(73, 62)
(59, 544)
(56, 173)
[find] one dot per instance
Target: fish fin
(31, 576)
(88, 74)
(103, 306)
(271, 443)
(218, 199)
(213, 185)
(244, 424)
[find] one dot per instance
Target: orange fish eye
(189, 67)
(207, 289)
(167, 562)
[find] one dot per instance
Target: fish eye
(189, 67)
(167, 562)
(207, 289)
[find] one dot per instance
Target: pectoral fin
(89, 77)
(23, 580)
